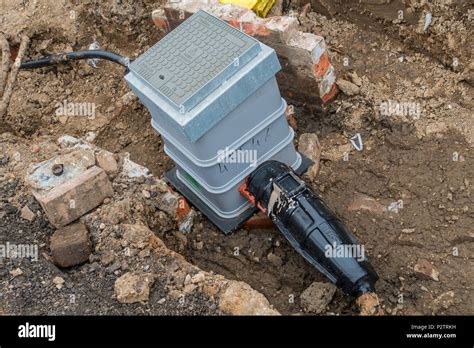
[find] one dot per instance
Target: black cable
(65, 57)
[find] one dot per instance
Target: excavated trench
(397, 163)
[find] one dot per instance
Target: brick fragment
(71, 245)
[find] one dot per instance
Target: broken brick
(425, 270)
(71, 245)
(72, 199)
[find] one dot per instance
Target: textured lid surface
(194, 59)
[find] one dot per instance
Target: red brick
(72, 199)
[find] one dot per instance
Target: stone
(408, 230)
(348, 88)
(274, 259)
(107, 258)
(369, 304)
(436, 127)
(27, 214)
(364, 202)
(133, 287)
(425, 270)
(355, 79)
(137, 236)
(59, 282)
(337, 153)
(168, 202)
(309, 146)
(72, 199)
(16, 272)
(107, 162)
(90, 137)
(317, 296)
(71, 245)
(198, 278)
(240, 299)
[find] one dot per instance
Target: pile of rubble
(104, 208)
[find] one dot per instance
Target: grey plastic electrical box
(213, 96)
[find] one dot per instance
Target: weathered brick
(75, 197)
(71, 245)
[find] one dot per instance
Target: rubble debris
(59, 282)
(355, 79)
(132, 170)
(364, 202)
(348, 88)
(240, 299)
(16, 272)
(27, 214)
(71, 245)
(408, 230)
(234, 297)
(72, 199)
(67, 141)
(443, 301)
(107, 162)
(90, 137)
(133, 287)
(337, 153)
(137, 235)
(275, 259)
(309, 146)
(427, 20)
(425, 270)
(107, 258)
(198, 278)
(169, 203)
(317, 296)
(369, 304)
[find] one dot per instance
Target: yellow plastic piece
(260, 7)
(249, 4)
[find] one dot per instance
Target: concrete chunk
(72, 199)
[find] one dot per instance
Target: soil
(425, 162)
